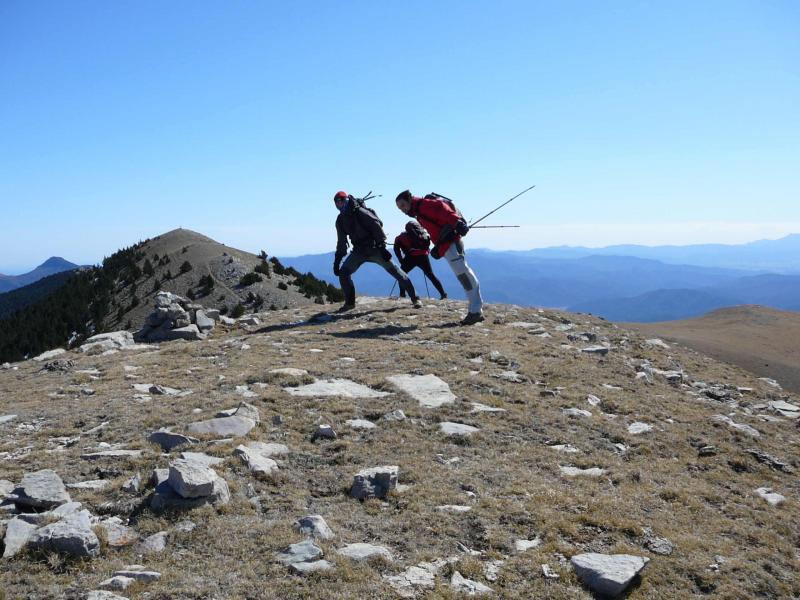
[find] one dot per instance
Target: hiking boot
(443, 296)
(416, 303)
(345, 307)
(472, 318)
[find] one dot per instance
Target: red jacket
(433, 215)
(406, 244)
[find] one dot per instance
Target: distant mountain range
(615, 282)
(51, 266)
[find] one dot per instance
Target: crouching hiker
(365, 230)
(446, 227)
(412, 250)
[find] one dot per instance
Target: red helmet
(340, 196)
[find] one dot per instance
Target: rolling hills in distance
(52, 266)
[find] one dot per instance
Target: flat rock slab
(243, 410)
(525, 545)
(289, 372)
(450, 428)
(305, 551)
(361, 552)
(104, 595)
(314, 566)
(576, 472)
(375, 482)
(315, 526)
(428, 390)
(94, 485)
(335, 387)
(191, 479)
(477, 407)
(268, 449)
(467, 586)
(225, 426)
(638, 428)
(772, 497)
(259, 465)
(112, 455)
(361, 424)
(42, 489)
(153, 544)
(576, 412)
(202, 458)
(607, 575)
(746, 429)
(169, 440)
(7, 419)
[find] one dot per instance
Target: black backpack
(446, 200)
(419, 237)
(360, 203)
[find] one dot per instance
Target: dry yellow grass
(705, 505)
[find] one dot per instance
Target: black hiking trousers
(410, 262)
(357, 258)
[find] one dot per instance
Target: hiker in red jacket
(446, 227)
(411, 249)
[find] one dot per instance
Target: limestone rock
(772, 497)
(49, 354)
(450, 428)
(576, 472)
(395, 415)
(335, 387)
(576, 412)
(525, 545)
(243, 410)
(608, 575)
(314, 566)
(258, 464)
(204, 322)
(638, 428)
(467, 586)
(226, 426)
(169, 440)
(18, 532)
(190, 479)
(202, 458)
(360, 424)
(117, 583)
(359, 552)
(68, 536)
(167, 498)
(117, 534)
(7, 419)
(428, 390)
(42, 489)
(315, 526)
(104, 595)
(268, 449)
(738, 426)
(112, 455)
(154, 543)
(305, 551)
(375, 482)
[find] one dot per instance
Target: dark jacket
(362, 226)
(435, 215)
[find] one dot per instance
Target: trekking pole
(392, 290)
(427, 291)
(501, 206)
(495, 226)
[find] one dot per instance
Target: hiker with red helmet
(446, 226)
(411, 249)
(365, 230)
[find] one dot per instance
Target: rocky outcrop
(174, 318)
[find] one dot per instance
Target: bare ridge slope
(763, 340)
(389, 453)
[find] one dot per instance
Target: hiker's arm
(341, 242)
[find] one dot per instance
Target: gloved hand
(436, 252)
(462, 228)
(336, 269)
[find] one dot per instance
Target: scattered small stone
(566, 448)
(154, 543)
(315, 526)
(258, 464)
(112, 455)
(169, 440)
(548, 573)
(395, 415)
(477, 407)
(202, 458)
(454, 508)
(524, 545)
(738, 426)
(707, 451)
(94, 485)
(360, 424)
(599, 350)
(42, 489)
(191, 479)
(117, 582)
(305, 551)
(593, 400)
(104, 595)
(770, 460)
(7, 419)
(117, 534)
(224, 426)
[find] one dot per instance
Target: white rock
(112, 455)
(191, 479)
(305, 551)
(104, 595)
(751, 431)
(202, 458)
(259, 465)
(335, 387)
(657, 343)
(169, 440)
(94, 484)
(576, 412)
(289, 372)
(360, 424)
(117, 582)
(41, 489)
(566, 448)
(225, 426)
(268, 449)
(468, 586)
(477, 407)
(607, 575)
(68, 536)
(7, 419)
(524, 545)
(18, 532)
(245, 391)
(450, 428)
(154, 543)
(593, 400)
(454, 508)
(138, 573)
(428, 390)
(361, 552)
(772, 497)
(638, 428)
(576, 472)
(49, 354)
(315, 526)
(395, 415)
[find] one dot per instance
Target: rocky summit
(389, 453)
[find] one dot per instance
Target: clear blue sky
(647, 122)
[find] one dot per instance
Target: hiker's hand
(436, 252)
(462, 228)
